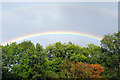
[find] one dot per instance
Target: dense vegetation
(25, 60)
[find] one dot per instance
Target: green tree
(28, 61)
(25, 60)
(93, 54)
(8, 60)
(110, 46)
(74, 53)
(58, 51)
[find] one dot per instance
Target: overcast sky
(24, 18)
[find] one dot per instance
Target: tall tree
(92, 52)
(111, 53)
(25, 60)
(56, 50)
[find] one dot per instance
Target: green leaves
(111, 52)
(28, 61)
(24, 59)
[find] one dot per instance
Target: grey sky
(94, 18)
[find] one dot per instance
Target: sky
(25, 18)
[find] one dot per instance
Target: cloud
(27, 19)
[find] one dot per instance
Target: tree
(110, 45)
(28, 61)
(8, 60)
(92, 52)
(81, 70)
(24, 60)
(74, 53)
(56, 50)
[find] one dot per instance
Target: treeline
(25, 60)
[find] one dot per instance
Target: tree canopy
(26, 60)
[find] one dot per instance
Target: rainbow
(32, 6)
(52, 33)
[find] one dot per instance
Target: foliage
(61, 60)
(111, 54)
(24, 60)
(81, 70)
